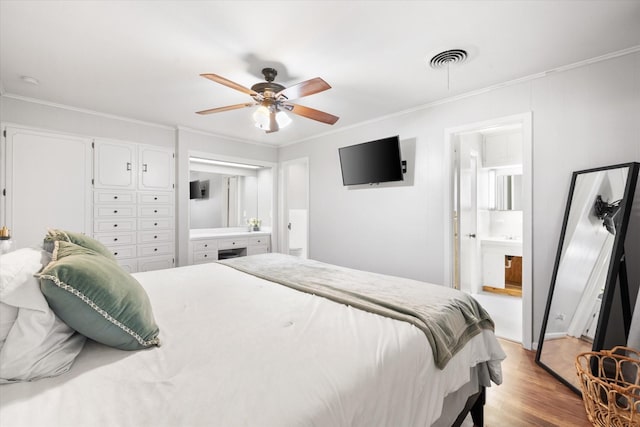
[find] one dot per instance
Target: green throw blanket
(448, 317)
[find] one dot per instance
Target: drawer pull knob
(155, 237)
(115, 225)
(155, 249)
(155, 223)
(115, 197)
(206, 246)
(115, 239)
(115, 211)
(155, 198)
(155, 211)
(115, 254)
(205, 255)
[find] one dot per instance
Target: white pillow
(8, 315)
(38, 344)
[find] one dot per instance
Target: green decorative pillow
(54, 235)
(97, 298)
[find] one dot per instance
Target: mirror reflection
(581, 272)
(509, 193)
(229, 196)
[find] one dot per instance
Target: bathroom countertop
(208, 233)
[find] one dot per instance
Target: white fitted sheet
(240, 351)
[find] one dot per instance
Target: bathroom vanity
(213, 244)
(501, 262)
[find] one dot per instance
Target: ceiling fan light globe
(261, 117)
(283, 119)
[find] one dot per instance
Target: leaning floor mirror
(591, 300)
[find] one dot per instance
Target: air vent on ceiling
(448, 57)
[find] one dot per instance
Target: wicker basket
(610, 382)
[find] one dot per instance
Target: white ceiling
(142, 59)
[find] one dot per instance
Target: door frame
(450, 134)
(283, 236)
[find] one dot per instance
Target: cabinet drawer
(205, 256)
(155, 263)
(155, 211)
(153, 249)
(257, 249)
(112, 239)
(114, 225)
(151, 198)
(123, 251)
(233, 243)
(130, 265)
(259, 240)
(114, 211)
(155, 236)
(114, 197)
(205, 245)
(155, 224)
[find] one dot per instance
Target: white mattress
(241, 351)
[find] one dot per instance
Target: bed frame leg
(477, 410)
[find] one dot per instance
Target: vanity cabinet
(134, 214)
(494, 259)
(212, 248)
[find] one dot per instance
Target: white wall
(77, 122)
(582, 118)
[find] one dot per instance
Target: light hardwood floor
(530, 396)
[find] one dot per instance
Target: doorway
(295, 207)
(488, 216)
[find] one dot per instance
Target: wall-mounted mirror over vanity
(229, 194)
(591, 299)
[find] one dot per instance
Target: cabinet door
(115, 165)
(48, 183)
(156, 168)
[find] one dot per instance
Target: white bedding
(240, 351)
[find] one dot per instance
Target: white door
(156, 168)
(48, 183)
(295, 207)
(115, 165)
(468, 221)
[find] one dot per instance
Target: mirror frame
(613, 269)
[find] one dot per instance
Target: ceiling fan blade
(233, 85)
(311, 113)
(227, 108)
(308, 87)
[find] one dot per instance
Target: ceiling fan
(273, 100)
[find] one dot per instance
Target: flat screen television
(372, 162)
(195, 190)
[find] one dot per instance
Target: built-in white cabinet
(130, 166)
(213, 248)
(502, 149)
(134, 214)
(46, 179)
(115, 165)
(122, 193)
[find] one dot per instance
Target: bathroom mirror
(589, 296)
(234, 195)
(508, 193)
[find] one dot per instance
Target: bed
(240, 350)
